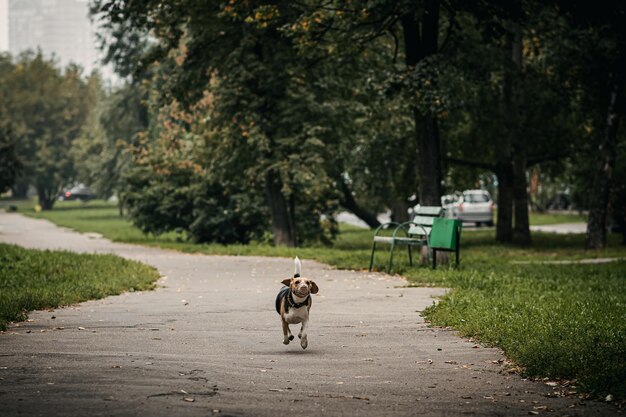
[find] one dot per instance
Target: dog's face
(301, 287)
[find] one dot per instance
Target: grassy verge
(34, 280)
(559, 321)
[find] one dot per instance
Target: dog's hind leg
(288, 337)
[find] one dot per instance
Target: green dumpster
(445, 236)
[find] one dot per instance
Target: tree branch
(347, 200)
(537, 159)
(472, 164)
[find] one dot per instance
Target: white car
(475, 206)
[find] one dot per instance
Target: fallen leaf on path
(189, 399)
(450, 362)
(81, 328)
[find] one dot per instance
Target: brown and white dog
(293, 303)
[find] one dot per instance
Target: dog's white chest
(297, 315)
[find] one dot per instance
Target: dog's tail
(298, 268)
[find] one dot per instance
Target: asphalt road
(209, 342)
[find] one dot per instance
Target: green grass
(35, 280)
(537, 219)
(557, 321)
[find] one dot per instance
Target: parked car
(79, 192)
(474, 206)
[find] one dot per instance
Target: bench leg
(434, 259)
(457, 257)
(372, 256)
(410, 256)
(390, 257)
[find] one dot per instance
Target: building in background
(4, 25)
(60, 28)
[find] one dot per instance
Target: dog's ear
(314, 288)
(287, 281)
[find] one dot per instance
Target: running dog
(293, 303)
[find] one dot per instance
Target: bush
(184, 200)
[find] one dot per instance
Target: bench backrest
(423, 219)
(432, 211)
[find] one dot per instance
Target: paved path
(561, 229)
(210, 334)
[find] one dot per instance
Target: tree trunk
(282, 224)
(429, 160)
(504, 226)
(399, 211)
(348, 202)
(505, 174)
(46, 198)
(418, 46)
(504, 149)
(521, 232)
(20, 189)
(596, 223)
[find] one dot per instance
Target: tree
(598, 70)
(167, 187)
(414, 28)
(517, 108)
(268, 113)
(48, 108)
(114, 123)
(10, 165)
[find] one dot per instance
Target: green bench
(413, 233)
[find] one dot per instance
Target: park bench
(412, 233)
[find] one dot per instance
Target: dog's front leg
(286, 332)
(303, 335)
